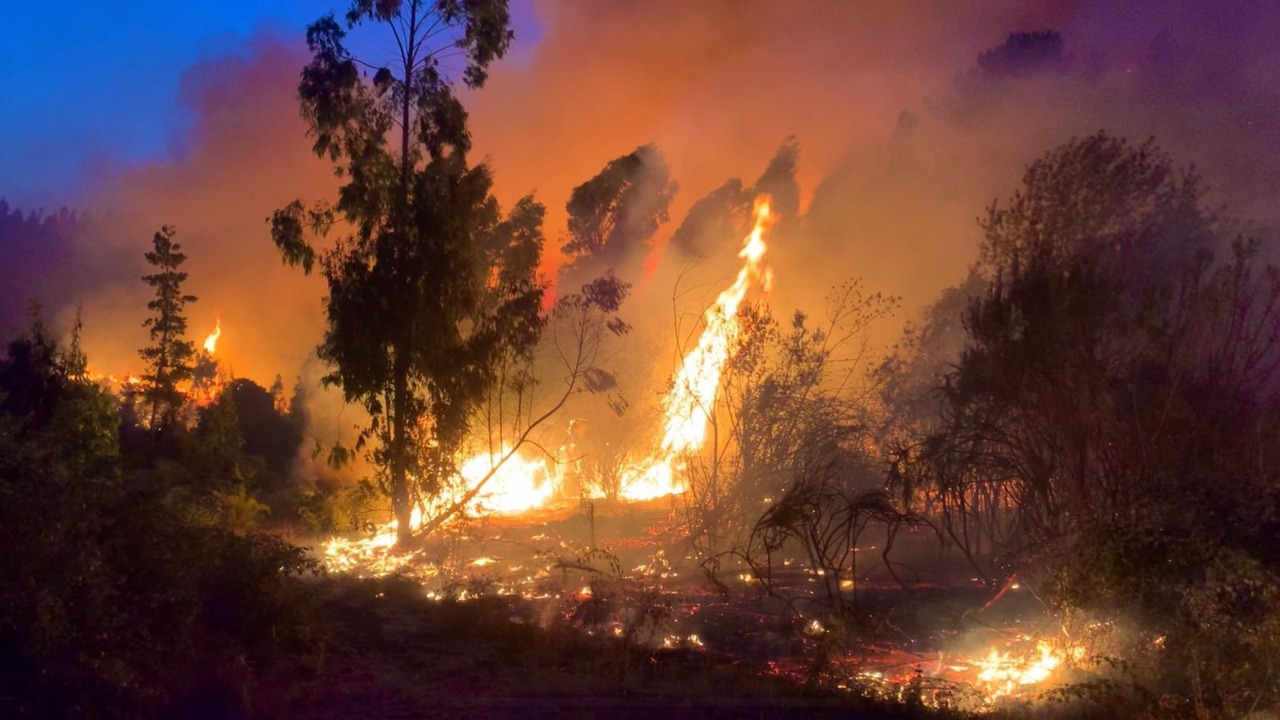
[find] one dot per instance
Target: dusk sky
(689, 358)
(92, 87)
(186, 114)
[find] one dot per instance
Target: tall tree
(1113, 416)
(619, 209)
(171, 356)
(411, 336)
(714, 222)
(1082, 269)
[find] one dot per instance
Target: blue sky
(97, 84)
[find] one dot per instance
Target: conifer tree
(170, 358)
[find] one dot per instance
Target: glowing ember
(1015, 671)
(686, 409)
(211, 342)
(373, 556)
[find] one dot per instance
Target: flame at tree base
(521, 484)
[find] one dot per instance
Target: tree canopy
(433, 285)
(620, 208)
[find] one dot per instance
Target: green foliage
(116, 600)
(237, 463)
(267, 431)
(343, 509)
(241, 512)
(170, 360)
(217, 446)
(434, 287)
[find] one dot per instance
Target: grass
(386, 651)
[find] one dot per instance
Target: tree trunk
(400, 503)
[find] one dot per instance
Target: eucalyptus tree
(423, 297)
(613, 216)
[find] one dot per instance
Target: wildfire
(211, 341)
(1014, 671)
(524, 483)
(686, 409)
(519, 485)
(1002, 674)
(373, 556)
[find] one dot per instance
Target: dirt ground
(387, 652)
(550, 601)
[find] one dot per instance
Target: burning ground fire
(201, 391)
(524, 483)
(1004, 671)
(1014, 670)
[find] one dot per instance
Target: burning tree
(577, 342)
(434, 293)
(170, 359)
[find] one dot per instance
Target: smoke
(248, 155)
(902, 139)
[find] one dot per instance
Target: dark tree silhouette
(619, 209)
(170, 359)
(119, 599)
(713, 218)
(1112, 420)
(716, 219)
(416, 328)
(44, 262)
(1023, 53)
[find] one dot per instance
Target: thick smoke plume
(908, 119)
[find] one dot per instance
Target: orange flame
(687, 408)
(520, 484)
(524, 483)
(211, 342)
